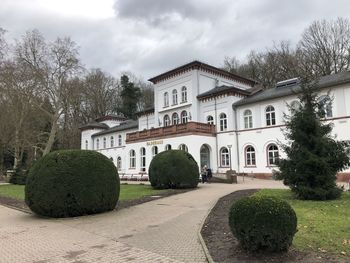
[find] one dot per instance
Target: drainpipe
(216, 137)
(237, 137)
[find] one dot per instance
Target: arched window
(167, 147)
(272, 154)
(120, 141)
(119, 163)
(223, 122)
(166, 121)
(183, 147)
(210, 119)
(86, 145)
(184, 117)
(270, 115)
(104, 143)
(97, 144)
(184, 94)
(132, 155)
(175, 119)
(112, 141)
(154, 151)
(326, 106)
(174, 97)
(250, 156)
(294, 106)
(248, 119)
(166, 99)
(224, 157)
(143, 159)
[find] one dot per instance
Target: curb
(201, 240)
(17, 208)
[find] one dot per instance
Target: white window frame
(224, 157)
(250, 156)
(210, 120)
(183, 147)
(167, 121)
(183, 94)
(97, 144)
(270, 115)
(326, 105)
(174, 95)
(168, 147)
(86, 144)
(223, 121)
(120, 140)
(104, 142)
(112, 141)
(248, 119)
(143, 159)
(184, 117)
(272, 154)
(154, 151)
(119, 163)
(132, 159)
(166, 99)
(175, 118)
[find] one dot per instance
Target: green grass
(127, 192)
(323, 226)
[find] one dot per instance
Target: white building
(222, 119)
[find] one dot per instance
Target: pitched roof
(93, 125)
(145, 111)
(278, 92)
(206, 67)
(111, 117)
(126, 125)
(223, 90)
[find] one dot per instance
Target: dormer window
(174, 97)
(183, 94)
(166, 99)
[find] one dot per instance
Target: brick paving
(164, 230)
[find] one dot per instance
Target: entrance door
(205, 156)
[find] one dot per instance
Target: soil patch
(21, 205)
(224, 247)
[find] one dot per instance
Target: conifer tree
(130, 97)
(314, 156)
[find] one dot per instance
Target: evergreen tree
(130, 97)
(313, 155)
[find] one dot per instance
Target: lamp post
(229, 152)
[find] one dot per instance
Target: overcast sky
(148, 37)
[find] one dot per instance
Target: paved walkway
(163, 230)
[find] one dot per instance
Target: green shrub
(173, 169)
(263, 223)
(72, 183)
(19, 177)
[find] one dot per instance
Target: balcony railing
(189, 128)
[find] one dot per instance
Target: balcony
(190, 128)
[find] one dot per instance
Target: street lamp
(229, 152)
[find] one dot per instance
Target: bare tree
(325, 47)
(51, 64)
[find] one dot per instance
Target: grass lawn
(127, 192)
(323, 226)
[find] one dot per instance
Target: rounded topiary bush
(72, 183)
(173, 169)
(263, 223)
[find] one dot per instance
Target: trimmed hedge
(72, 183)
(173, 169)
(263, 223)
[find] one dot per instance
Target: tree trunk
(53, 132)
(17, 159)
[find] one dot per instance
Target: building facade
(224, 120)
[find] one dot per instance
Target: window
(272, 154)
(248, 119)
(104, 143)
(86, 145)
(120, 141)
(154, 151)
(325, 106)
(175, 118)
(167, 147)
(98, 144)
(166, 99)
(132, 159)
(250, 156)
(210, 119)
(183, 147)
(184, 94)
(112, 141)
(184, 117)
(119, 163)
(223, 122)
(270, 116)
(174, 97)
(143, 159)
(166, 121)
(224, 157)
